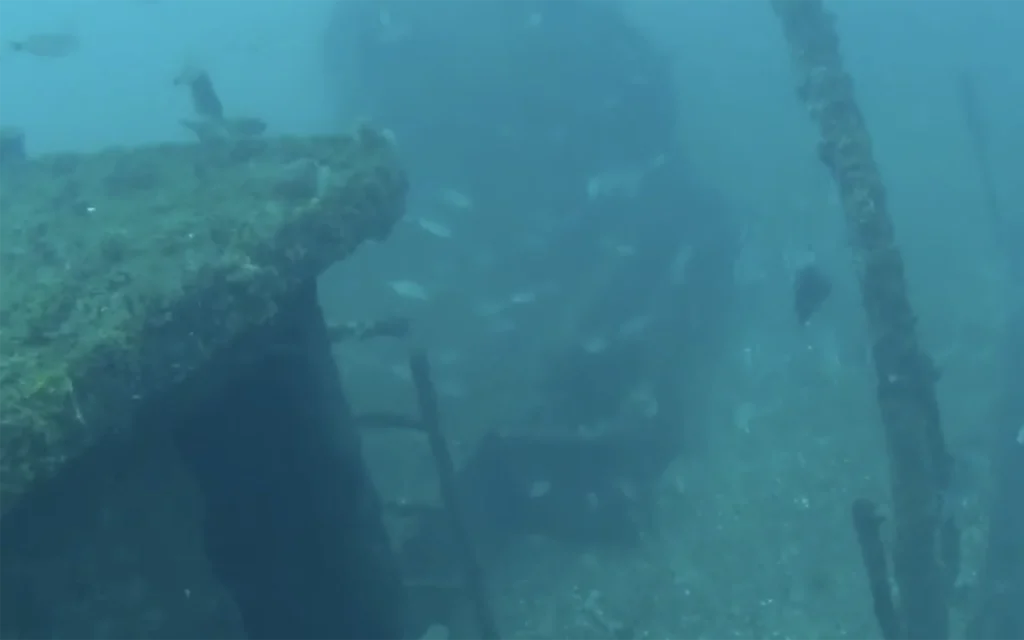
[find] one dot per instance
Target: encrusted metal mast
(925, 549)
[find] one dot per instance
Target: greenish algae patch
(124, 274)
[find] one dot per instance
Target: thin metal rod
(426, 397)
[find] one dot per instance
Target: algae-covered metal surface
(125, 273)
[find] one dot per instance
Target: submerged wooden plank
(129, 274)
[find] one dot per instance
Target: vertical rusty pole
(925, 544)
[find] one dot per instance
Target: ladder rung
(386, 420)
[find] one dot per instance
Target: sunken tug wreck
(178, 457)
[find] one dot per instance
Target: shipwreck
(176, 452)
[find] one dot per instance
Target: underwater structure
(475, 93)
(925, 550)
(177, 456)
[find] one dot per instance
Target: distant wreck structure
(581, 144)
(177, 457)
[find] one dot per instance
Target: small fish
(810, 289)
(409, 289)
(48, 45)
(434, 228)
(523, 297)
(624, 250)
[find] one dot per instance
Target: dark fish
(810, 289)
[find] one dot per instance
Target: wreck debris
(925, 540)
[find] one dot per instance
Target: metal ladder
(472, 582)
